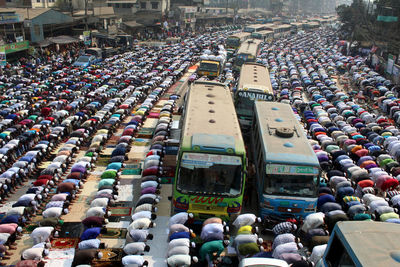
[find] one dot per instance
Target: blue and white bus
(286, 166)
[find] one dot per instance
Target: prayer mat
(115, 233)
(133, 166)
(267, 245)
(103, 161)
(124, 204)
(167, 180)
(125, 193)
(131, 171)
(60, 257)
(71, 230)
(111, 256)
(114, 219)
(30, 227)
(81, 198)
(126, 180)
(153, 115)
(63, 243)
(120, 211)
(118, 225)
(137, 143)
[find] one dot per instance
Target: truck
(362, 243)
(212, 65)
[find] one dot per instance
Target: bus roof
(249, 47)
(255, 76)
(272, 116)
(210, 110)
(370, 243)
(240, 35)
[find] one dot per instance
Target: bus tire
(284, 132)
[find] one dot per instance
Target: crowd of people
(50, 111)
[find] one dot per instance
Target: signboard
(255, 96)
(9, 18)
(396, 73)
(86, 38)
(3, 60)
(390, 63)
(15, 47)
(287, 169)
(387, 18)
(190, 9)
(203, 160)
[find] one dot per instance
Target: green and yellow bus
(210, 173)
(233, 41)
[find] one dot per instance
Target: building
(145, 12)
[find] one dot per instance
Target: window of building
(154, 5)
(8, 1)
(38, 1)
(143, 5)
(117, 5)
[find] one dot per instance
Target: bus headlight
(309, 210)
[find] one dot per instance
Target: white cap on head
(154, 225)
(106, 221)
(193, 244)
(5, 187)
(77, 187)
(155, 209)
(40, 196)
(51, 182)
(19, 229)
(65, 211)
(260, 240)
(46, 252)
(99, 255)
(258, 219)
(190, 215)
(109, 213)
(226, 228)
(256, 228)
(56, 234)
(226, 242)
(195, 259)
(156, 200)
(46, 190)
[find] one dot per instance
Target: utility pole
(86, 13)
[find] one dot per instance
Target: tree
(356, 24)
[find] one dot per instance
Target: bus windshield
(245, 99)
(291, 185)
(233, 41)
(205, 66)
(206, 174)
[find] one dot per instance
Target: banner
(3, 60)
(9, 18)
(86, 38)
(15, 47)
(390, 63)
